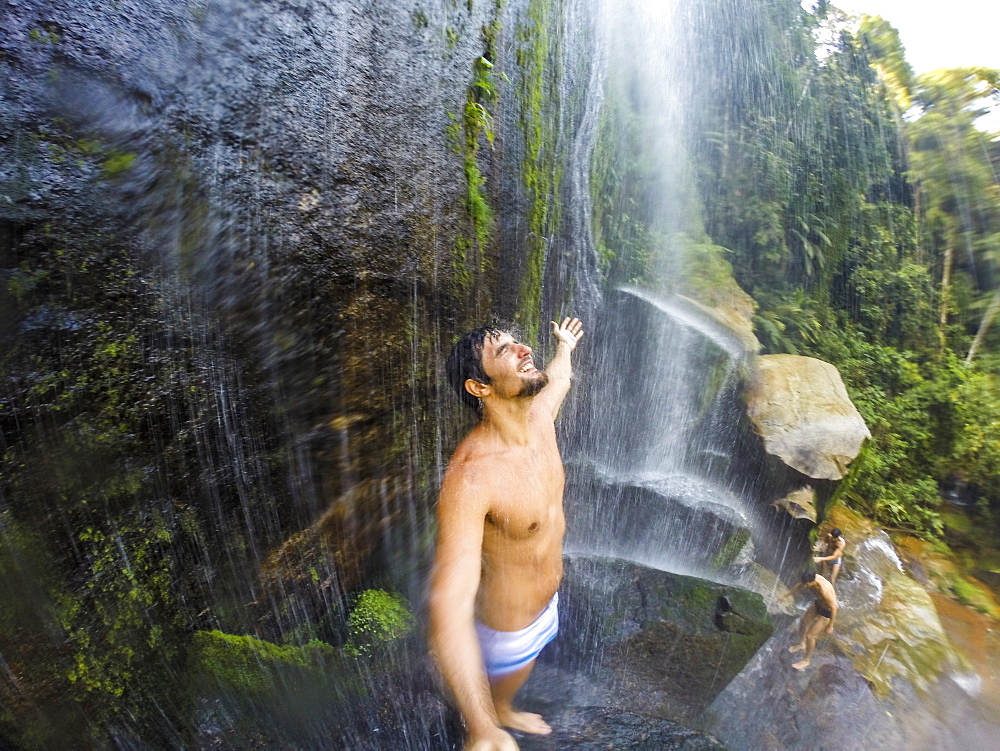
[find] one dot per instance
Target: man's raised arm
(837, 552)
(560, 369)
(454, 583)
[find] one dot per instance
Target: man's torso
(824, 593)
(522, 530)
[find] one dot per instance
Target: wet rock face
(230, 229)
(887, 677)
(262, 200)
(831, 705)
(801, 409)
(656, 643)
(292, 157)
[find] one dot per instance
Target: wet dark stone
(594, 728)
(646, 640)
(830, 706)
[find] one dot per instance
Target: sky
(942, 33)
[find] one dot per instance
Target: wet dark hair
(808, 577)
(835, 532)
(466, 361)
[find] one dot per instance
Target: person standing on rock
(818, 617)
(498, 563)
(832, 546)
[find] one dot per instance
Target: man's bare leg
(503, 689)
(818, 625)
(804, 625)
(834, 570)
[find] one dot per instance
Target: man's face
(511, 367)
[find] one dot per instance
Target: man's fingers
(572, 325)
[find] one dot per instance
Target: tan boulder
(888, 625)
(801, 409)
(800, 504)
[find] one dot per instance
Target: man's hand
(569, 332)
(495, 739)
(560, 369)
(829, 629)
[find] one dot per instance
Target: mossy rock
(973, 593)
(899, 635)
(661, 643)
(251, 667)
(378, 617)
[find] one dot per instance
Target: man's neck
(507, 420)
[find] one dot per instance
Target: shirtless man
(833, 545)
(493, 599)
(819, 617)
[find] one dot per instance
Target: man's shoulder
(469, 463)
(467, 484)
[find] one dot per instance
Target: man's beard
(532, 387)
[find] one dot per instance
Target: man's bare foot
(801, 665)
(526, 722)
(797, 648)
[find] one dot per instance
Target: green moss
(129, 574)
(476, 126)
(974, 595)
(698, 597)
(43, 36)
(378, 617)
(460, 264)
(727, 554)
(540, 173)
(477, 205)
(246, 665)
(491, 32)
(118, 163)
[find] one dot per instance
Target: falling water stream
(236, 247)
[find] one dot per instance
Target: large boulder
(889, 627)
(801, 409)
(668, 521)
(888, 677)
(648, 641)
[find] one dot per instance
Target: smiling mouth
(528, 366)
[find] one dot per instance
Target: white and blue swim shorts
(508, 651)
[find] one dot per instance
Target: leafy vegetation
(858, 205)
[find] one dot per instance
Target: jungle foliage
(858, 204)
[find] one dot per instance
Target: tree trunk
(949, 253)
(991, 313)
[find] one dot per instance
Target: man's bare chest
(526, 501)
(522, 516)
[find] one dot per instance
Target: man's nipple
(533, 526)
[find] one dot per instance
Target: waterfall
(649, 465)
(651, 435)
(236, 242)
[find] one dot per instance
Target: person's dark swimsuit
(823, 610)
